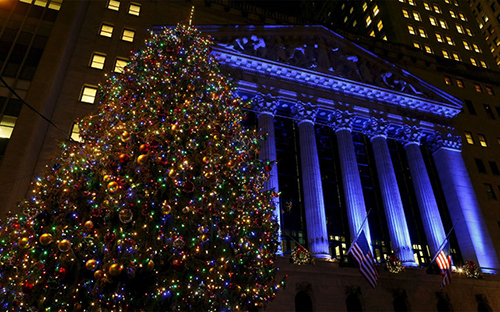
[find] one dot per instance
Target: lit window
(456, 56)
(460, 29)
(439, 37)
(416, 45)
(485, 18)
(119, 65)
(422, 33)
(466, 45)
(449, 40)
(416, 16)
(345, 19)
(433, 20)
(447, 1)
(88, 94)
(384, 38)
(446, 54)
(473, 61)
(476, 48)
(402, 1)
(462, 17)
(483, 64)
(41, 3)
(411, 2)
(114, 5)
(380, 25)
(481, 25)
(351, 10)
(411, 29)
(448, 81)
(134, 9)
(482, 140)
(489, 90)
(55, 5)
(436, 8)
(443, 24)
(455, 2)
(354, 23)
(428, 49)
(128, 35)
(427, 6)
(406, 14)
(365, 6)
(469, 138)
(75, 133)
(106, 30)
(97, 61)
(7, 126)
(372, 34)
(375, 10)
(368, 20)
(469, 32)
(460, 83)
(453, 14)
(478, 88)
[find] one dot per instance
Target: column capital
(375, 127)
(409, 135)
(443, 139)
(304, 112)
(340, 120)
(265, 104)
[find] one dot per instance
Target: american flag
(362, 253)
(444, 262)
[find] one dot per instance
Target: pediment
(315, 48)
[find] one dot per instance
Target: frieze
(444, 138)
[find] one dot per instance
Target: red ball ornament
(268, 168)
(61, 273)
(179, 265)
(123, 158)
(28, 287)
(188, 187)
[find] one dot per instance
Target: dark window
(480, 165)
(303, 302)
(489, 191)
(498, 110)
(353, 303)
(444, 305)
(489, 111)
(470, 107)
(494, 168)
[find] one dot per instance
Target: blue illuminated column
(341, 122)
(266, 106)
(410, 136)
(305, 114)
(471, 232)
(376, 130)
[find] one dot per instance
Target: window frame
(84, 96)
(469, 138)
(103, 33)
(100, 65)
(113, 5)
(133, 12)
(123, 35)
(115, 66)
(482, 140)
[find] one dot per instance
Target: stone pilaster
(266, 106)
(410, 136)
(317, 235)
(341, 122)
(376, 130)
(471, 231)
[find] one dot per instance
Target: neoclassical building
(353, 135)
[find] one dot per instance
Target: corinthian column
(376, 130)
(470, 229)
(266, 107)
(341, 122)
(317, 235)
(410, 136)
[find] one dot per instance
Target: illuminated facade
(487, 16)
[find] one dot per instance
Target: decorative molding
(304, 112)
(443, 139)
(409, 135)
(340, 120)
(375, 127)
(266, 103)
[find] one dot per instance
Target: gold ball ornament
(150, 265)
(46, 239)
(166, 208)
(106, 178)
(171, 173)
(115, 269)
(87, 226)
(91, 265)
(125, 137)
(64, 245)
(99, 274)
(142, 159)
(112, 187)
(24, 242)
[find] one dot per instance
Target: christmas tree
(160, 207)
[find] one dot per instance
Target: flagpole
(442, 245)
(359, 232)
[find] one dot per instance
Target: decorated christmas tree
(160, 207)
